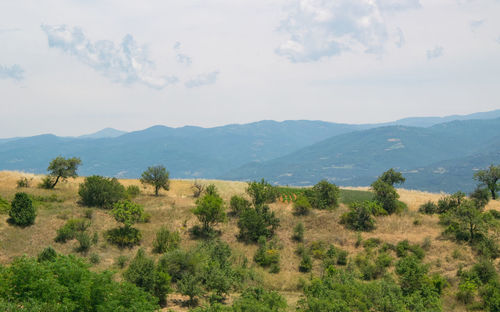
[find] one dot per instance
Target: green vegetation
(262, 192)
(323, 195)
(268, 254)
(22, 212)
(97, 191)
(128, 213)
(70, 230)
(359, 218)
(385, 193)
(210, 211)
(61, 168)
(64, 283)
(166, 241)
(490, 179)
(238, 204)
(156, 176)
(301, 207)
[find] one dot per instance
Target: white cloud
(400, 42)
(435, 53)
(181, 57)
(323, 28)
(13, 72)
(202, 80)
(474, 25)
(125, 63)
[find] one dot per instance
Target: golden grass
(173, 210)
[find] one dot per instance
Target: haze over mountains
(435, 154)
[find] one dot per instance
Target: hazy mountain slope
(431, 121)
(186, 151)
(104, 133)
(357, 158)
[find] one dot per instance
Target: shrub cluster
(101, 192)
(22, 211)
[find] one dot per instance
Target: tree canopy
(62, 168)
(490, 178)
(158, 177)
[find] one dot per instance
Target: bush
(323, 195)
(84, 242)
(210, 211)
(301, 207)
(66, 284)
(101, 192)
(124, 236)
(94, 258)
(24, 182)
(267, 254)
(46, 183)
(466, 291)
(359, 217)
(48, 254)
(262, 192)
(256, 222)
(69, 230)
(132, 191)
(449, 203)
(238, 204)
(305, 263)
(428, 208)
(298, 232)
(259, 299)
(190, 285)
(22, 212)
(166, 241)
(121, 261)
(88, 213)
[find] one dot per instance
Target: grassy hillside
(173, 209)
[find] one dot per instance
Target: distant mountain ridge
(296, 152)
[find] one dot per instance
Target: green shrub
(88, 213)
(386, 194)
(166, 241)
(190, 285)
(67, 284)
(262, 192)
(318, 249)
(179, 262)
(404, 246)
(22, 212)
(94, 258)
(210, 211)
(466, 291)
(259, 299)
(323, 195)
(428, 208)
(124, 236)
(238, 204)
(24, 182)
(4, 206)
(84, 242)
(101, 192)
(371, 243)
(305, 263)
(298, 232)
(46, 183)
(451, 202)
(256, 222)
(69, 230)
(267, 254)
(342, 257)
(48, 254)
(121, 261)
(132, 191)
(359, 218)
(301, 207)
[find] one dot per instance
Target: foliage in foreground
(64, 283)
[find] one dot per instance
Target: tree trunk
(156, 190)
(57, 180)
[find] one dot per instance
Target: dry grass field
(173, 210)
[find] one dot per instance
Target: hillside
(174, 210)
(425, 155)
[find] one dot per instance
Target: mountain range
(434, 153)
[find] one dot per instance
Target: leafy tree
(127, 212)
(324, 195)
(257, 299)
(210, 210)
(385, 193)
(451, 202)
(262, 192)
(101, 192)
(190, 285)
(62, 168)
(158, 177)
(481, 197)
(64, 283)
(22, 211)
(238, 204)
(256, 222)
(489, 178)
(143, 272)
(211, 189)
(359, 218)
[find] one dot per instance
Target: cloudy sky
(76, 66)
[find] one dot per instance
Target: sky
(76, 66)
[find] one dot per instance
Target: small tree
(238, 204)
(166, 240)
(262, 192)
(210, 210)
(22, 211)
(324, 195)
(385, 193)
(62, 168)
(128, 213)
(359, 218)
(256, 222)
(158, 177)
(301, 207)
(489, 178)
(101, 192)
